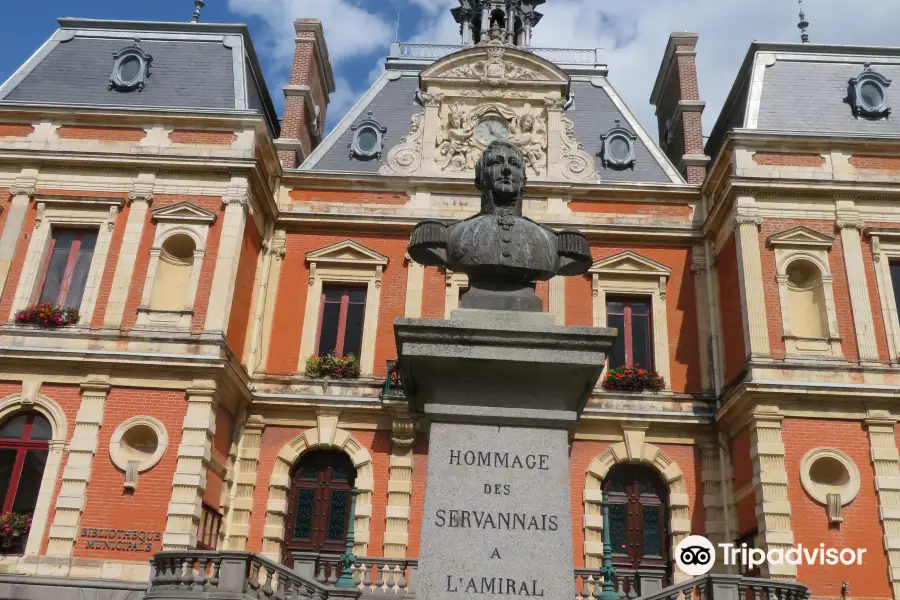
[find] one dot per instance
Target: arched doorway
(319, 504)
(638, 521)
(24, 446)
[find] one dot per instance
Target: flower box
(332, 367)
(47, 315)
(13, 532)
(633, 379)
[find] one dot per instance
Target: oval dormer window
(868, 94)
(131, 68)
(618, 148)
(368, 139)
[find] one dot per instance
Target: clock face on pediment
(491, 129)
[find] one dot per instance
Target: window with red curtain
(341, 320)
(24, 445)
(66, 266)
(210, 524)
(633, 346)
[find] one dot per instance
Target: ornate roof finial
(803, 24)
(198, 4)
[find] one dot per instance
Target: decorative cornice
(748, 220)
(140, 196)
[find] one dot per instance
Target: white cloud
(350, 29)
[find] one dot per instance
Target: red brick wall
(874, 162)
(293, 285)
(861, 527)
(18, 261)
(681, 311)
(730, 306)
(656, 209)
(789, 159)
(349, 197)
(242, 301)
(200, 136)
(103, 134)
(579, 301)
(16, 129)
(434, 293)
(378, 443)
(108, 505)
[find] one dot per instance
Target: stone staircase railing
(731, 587)
(630, 583)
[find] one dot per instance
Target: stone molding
(237, 522)
(886, 463)
(633, 449)
(60, 428)
(326, 434)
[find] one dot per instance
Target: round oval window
(619, 149)
(872, 94)
(129, 68)
(139, 443)
(367, 141)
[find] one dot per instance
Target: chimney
(679, 109)
(306, 95)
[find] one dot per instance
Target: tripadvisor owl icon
(695, 555)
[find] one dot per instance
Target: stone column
(273, 256)
(415, 287)
(753, 301)
(22, 192)
(430, 127)
(396, 535)
(237, 207)
(280, 251)
(850, 225)
(773, 509)
(886, 461)
(189, 481)
(77, 473)
(237, 525)
(139, 199)
(704, 338)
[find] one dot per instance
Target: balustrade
(561, 56)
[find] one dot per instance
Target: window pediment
(630, 263)
(183, 212)
(800, 237)
(348, 253)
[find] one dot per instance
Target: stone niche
(486, 92)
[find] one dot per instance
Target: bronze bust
(502, 252)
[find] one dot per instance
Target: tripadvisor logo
(695, 555)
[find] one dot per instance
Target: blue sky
(632, 33)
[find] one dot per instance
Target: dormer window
(131, 68)
(618, 148)
(368, 138)
(868, 94)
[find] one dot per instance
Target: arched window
(806, 299)
(319, 502)
(24, 445)
(638, 519)
(173, 274)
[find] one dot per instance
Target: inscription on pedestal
(497, 518)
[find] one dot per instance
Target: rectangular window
(67, 265)
(341, 320)
(895, 281)
(210, 524)
(631, 317)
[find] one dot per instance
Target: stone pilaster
(396, 536)
(189, 481)
(716, 496)
(237, 524)
(557, 301)
(415, 287)
(237, 207)
(139, 200)
(886, 461)
(850, 224)
(704, 334)
(773, 509)
(22, 192)
(77, 473)
(753, 300)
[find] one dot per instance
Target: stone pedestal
(500, 391)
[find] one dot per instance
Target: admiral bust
(502, 252)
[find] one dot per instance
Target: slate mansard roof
(802, 89)
(196, 67)
(392, 101)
